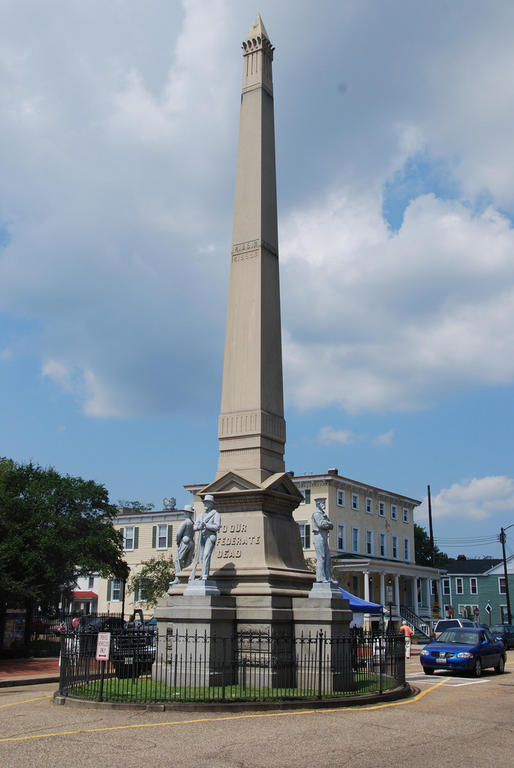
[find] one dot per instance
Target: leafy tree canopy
(135, 506)
(153, 577)
(424, 550)
(52, 528)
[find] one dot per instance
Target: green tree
(424, 550)
(53, 528)
(153, 578)
(135, 506)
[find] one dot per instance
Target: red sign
(476, 611)
(103, 646)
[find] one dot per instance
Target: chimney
(333, 472)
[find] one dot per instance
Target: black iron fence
(144, 666)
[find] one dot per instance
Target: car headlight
(424, 652)
(464, 655)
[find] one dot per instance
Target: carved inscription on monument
(233, 539)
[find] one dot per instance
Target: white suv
(443, 624)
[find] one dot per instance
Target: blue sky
(118, 135)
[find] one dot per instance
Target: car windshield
(457, 636)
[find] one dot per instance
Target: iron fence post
(320, 663)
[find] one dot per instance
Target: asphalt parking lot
(448, 719)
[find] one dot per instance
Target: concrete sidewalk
(28, 671)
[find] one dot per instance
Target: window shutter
(308, 496)
(170, 535)
(154, 536)
(122, 531)
(136, 537)
(307, 535)
(109, 586)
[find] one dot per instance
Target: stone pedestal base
(327, 589)
(269, 640)
(202, 588)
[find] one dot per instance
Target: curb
(16, 681)
(402, 692)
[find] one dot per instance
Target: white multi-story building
(146, 534)
(372, 543)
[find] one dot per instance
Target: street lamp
(502, 539)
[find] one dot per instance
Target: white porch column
(366, 586)
(415, 594)
(382, 589)
(429, 584)
(397, 592)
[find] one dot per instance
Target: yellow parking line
(250, 716)
(25, 701)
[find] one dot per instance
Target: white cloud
(386, 438)
(396, 321)
(473, 499)
(58, 373)
(329, 436)
(118, 136)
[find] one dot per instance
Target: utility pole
(430, 528)
(502, 539)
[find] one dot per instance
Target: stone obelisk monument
(251, 427)
(259, 550)
(257, 565)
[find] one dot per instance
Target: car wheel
(477, 669)
(500, 667)
(428, 670)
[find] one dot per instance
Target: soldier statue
(185, 540)
(208, 525)
(321, 525)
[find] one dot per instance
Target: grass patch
(148, 690)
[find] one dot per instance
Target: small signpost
(103, 648)
(476, 611)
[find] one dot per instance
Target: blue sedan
(464, 650)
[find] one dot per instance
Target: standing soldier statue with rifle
(208, 525)
(185, 540)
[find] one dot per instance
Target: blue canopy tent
(358, 605)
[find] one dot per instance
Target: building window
(504, 615)
(305, 535)
(162, 536)
(355, 501)
(382, 540)
(129, 541)
(115, 590)
(405, 515)
(406, 550)
(394, 512)
(340, 537)
(459, 586)
(467, 611)
(140, 591)
(90, 582)
(502, 586)
(306, 493)
(369, 542)
(446, 586)
(473, 585)
(381, 508)
(369, 506)
(394, 547)
(340, 497)
(355, 540)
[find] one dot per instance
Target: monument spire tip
(257, 29)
